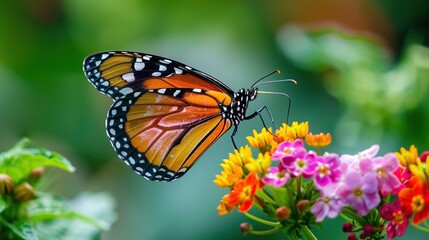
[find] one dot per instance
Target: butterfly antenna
(255, 84)
(275, 81)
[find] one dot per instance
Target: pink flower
(351, 162)
(328, 205)
(359, 191)
(384, 168)
(398, 221)
(305, 166)
(276, 177)
(327, 169)
(289, 151)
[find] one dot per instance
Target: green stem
(421, 228)
(267, 232)
(293, 235)
(345, 217)
(306, 232)
(298, 186)
(260, 220)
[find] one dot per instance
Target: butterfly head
(252, 93)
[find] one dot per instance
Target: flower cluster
(297, 186)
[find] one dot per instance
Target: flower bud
(6, 184)
(347, 227)
(282, 213)
(352, 236)
(363, 235)
(368, 230)
(245, 227)
(37, 173)
(24, 192)
(424, 156)
(303, 205)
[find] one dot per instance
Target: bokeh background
(362, 68)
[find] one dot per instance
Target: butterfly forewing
(165, 114)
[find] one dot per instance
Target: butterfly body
(165, 114)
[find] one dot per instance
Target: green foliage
(377, 92)
(29, 214)
(19, 161)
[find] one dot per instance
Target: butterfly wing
(165, 114)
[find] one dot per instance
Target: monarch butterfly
(165, 114)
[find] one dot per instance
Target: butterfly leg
(258, 113)
(234, 132)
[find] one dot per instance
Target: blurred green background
(362, 68)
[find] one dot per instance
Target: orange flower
(243, 192)
(415, 201)
(290, 133)
(318, 140)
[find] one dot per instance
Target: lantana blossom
(415, 201)
(289, 151)
(328, 204)
(398, 222)
(315, 186)
(384, 169)
(327, 170)
(361, 192)
(243, 192)
(276, 177)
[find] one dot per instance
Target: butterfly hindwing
(161, 135)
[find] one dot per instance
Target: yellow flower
(263, 141)
(290, 133)
(318, 140)
(421, 170)
(259, 165)
(224, 207)
(407, 157)
(233, 167)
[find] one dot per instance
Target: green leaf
(22, 228)
(19, 161)
(84, 217)
(279, 195)
(91, 208)
(3, 204)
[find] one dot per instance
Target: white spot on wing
(162, 68)
(129, 77)
(177, 92)
(126, 91)
(112, 131)
(178, 70)
(166, 61)
(138, 66)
